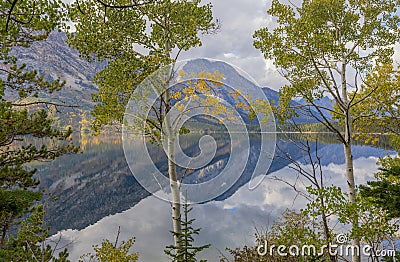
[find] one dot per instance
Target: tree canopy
(135, 42)
(330, 48)
(24, 117)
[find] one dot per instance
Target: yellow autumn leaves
(203, 88)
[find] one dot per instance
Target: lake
(97, 193)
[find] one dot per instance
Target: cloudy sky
(234, 42)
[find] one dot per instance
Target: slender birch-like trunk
(351, 185)
(173, 178)
(175, 190)
(170, 139)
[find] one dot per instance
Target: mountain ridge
(54, 58)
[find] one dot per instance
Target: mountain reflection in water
(97, 188)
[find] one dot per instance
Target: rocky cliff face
(53, 58)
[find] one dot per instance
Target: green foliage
(29, 244)
(25, 21)
(292, 228)
(390, 259)
(186, 251)
(379, 112)
(109, 252)
(329, 47)
(306, 228)
(24, 118)
(158, 28)
(321, 30)
(374, 223)
(328, 200)
(385, 192)
(13, 206)
(296, 228)
(315, 47)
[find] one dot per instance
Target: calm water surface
(97, 194)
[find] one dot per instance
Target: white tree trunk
(175, 191)
(350, 173)
(173, 178)
(352, 195)
(349, 155)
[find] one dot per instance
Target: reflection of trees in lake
(98, 182)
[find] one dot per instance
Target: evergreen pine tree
(186, 251)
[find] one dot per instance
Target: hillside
(55, 58)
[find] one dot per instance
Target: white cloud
(228, 223)
(230, 55)
(234, 42)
